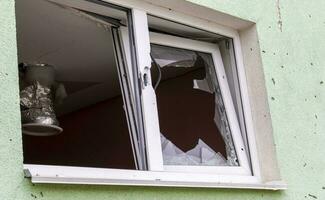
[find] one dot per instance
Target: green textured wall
(294, 63)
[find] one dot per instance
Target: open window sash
(121, 41)
(122, 50)
(128, 97)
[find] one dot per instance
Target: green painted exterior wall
(294, 66)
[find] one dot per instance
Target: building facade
(292, 48)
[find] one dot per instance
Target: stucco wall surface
(292, 41)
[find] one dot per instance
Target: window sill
(99, 176)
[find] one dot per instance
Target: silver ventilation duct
(39, 94)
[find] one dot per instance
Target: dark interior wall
(187, 114)
(96, 136)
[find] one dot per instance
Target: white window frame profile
(213, 50)
(247, 175)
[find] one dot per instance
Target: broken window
(127, 90)
(193, 122)
(196, 128)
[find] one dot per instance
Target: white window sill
(99, 176)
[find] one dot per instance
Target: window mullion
(148, 97)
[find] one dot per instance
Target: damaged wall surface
(291, 37)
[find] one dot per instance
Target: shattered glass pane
(193, 121)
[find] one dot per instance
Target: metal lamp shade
(37, 97)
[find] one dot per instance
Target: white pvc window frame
(155, 175)
(213, 50)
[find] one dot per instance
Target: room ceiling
(80, 49)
